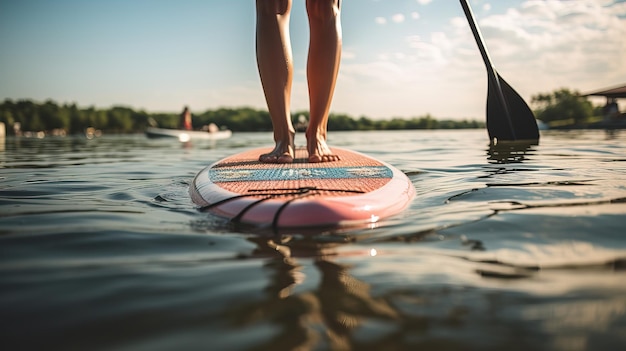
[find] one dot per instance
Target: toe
(315, 158)
(285, 159)
(330, 158)
(268, 158)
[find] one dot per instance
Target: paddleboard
(187, 135)
(356, 189)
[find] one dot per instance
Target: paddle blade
(511, 119)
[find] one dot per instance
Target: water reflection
(313, 301)
(611, 134)
(510, 152)
(575, 324)
(327, 314)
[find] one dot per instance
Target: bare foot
(282, 153)
(319, 150)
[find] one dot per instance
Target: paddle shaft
(491, 71)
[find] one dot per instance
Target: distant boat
(187, 135)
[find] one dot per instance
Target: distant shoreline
(28, 116)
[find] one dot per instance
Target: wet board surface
(356, 189)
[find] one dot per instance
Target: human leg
(275, 64)
(322, 70)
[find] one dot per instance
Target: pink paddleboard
(357, 189)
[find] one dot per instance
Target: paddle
(508, 116)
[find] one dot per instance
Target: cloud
(410, 82)
(431, 52)
(347, 54)
(424, 2)
(397, 18)
(458, 22)
(567, 40)
(538, 46)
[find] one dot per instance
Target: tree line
(559, 107)
(49, 116)
(565, 107)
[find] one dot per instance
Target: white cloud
(537, 46)
(397, 18)
(415, 15)
(566, 41)
(347, 54)
(380, 20)
(424, 2)
(410, 82)
(429, 52)
(458, 22)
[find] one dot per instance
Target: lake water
(503, 248)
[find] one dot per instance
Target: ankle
(315, 133)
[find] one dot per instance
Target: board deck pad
(358, 188)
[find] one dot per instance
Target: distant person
(275, 64)
(612, 109)
(212, 128)
(184, 121)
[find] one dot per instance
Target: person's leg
(274, 60)
(322, 70)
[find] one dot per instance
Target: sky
(401, 58)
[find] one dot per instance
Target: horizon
(401, 58)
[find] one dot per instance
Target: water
(511, 248)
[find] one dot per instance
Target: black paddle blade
(511, 119)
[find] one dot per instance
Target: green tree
(341, 122)
(34, 116)
(54, 116)
(78, 120)
(562, 105)
(365, 123)
(120, 119)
